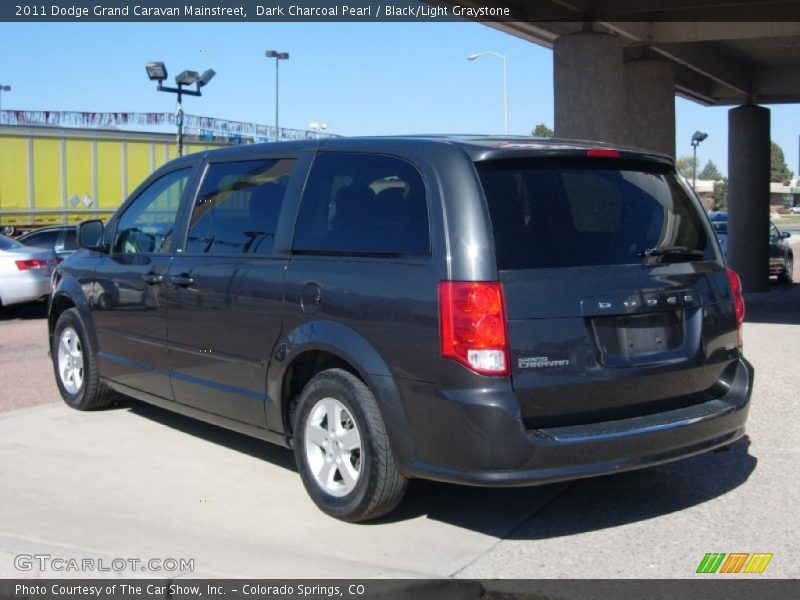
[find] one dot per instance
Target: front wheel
(74, 364)
(342, 449)
(788, 271)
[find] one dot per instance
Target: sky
(359, 78)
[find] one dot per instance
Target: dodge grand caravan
(487, 311)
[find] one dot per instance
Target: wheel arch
(315, 346)
(69, 294)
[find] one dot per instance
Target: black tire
(91, 394)
(379, 487)
(787, 276)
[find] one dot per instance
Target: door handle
(152, 278)
(184, 280)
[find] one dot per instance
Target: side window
(773, 234)
(71, 240)
(44, 239)
(146, 226)
(237, 207)
(363, 204)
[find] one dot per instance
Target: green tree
(685, 166)
(542, 130)
(710, 172)
(720, 194)
(779, 172)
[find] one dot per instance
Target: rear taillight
(738, 302)
(473, 325)
(27, 265)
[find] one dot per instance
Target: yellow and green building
(53, 175)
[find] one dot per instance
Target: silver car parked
(24, 272)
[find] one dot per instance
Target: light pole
(3, 88)
(157, 71)
(278, 56)
(505, 80)
(697, 137)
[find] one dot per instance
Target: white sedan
(24, 272)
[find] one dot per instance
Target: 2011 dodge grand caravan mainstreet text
(488, 311)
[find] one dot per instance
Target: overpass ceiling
(725, 52)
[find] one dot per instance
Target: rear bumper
(26, 286)
(482, 442)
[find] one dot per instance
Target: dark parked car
(61, 239)
(721, 229)
(781, 257)
(487, 311)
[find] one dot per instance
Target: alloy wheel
(70, 360)
(333, 447)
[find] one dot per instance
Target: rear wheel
(74, 364)
(342, 449)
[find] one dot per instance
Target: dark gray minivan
(488, 311)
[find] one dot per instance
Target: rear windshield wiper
(677, 251)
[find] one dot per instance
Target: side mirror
(90, 235)
(785, 234)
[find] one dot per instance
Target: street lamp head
(187, 77)
(283, 55)
(698, 137)
(475, 55)
(271, 54)
(156, 71)
(276, 54)
(5, 88)
(207, 76)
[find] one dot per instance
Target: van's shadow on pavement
(26, 312)
(524, 513)
(586, 505)
(280, 457)
(781, 305)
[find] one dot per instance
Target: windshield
(8, 243)
(569, 213)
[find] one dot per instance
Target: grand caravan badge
(540, 362)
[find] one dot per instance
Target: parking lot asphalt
(137, 482)
(25, 369)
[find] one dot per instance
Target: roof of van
(478, 147)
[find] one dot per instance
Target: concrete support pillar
(589, 87)
(748, 195)
(650, 105)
